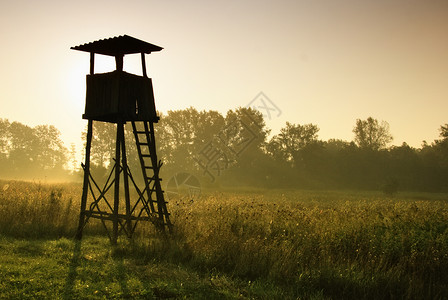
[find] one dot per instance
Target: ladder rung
(153, 190)
(141, 132)
(141, 144)
(146, 155)
(151, 200)
(149, 167)
(153, 178)
(163, 213)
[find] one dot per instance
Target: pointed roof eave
(119, 45)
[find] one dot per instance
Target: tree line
(237, 149)
(31, 152)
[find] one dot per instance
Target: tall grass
(372, 246)
(35, 209)
(335, 244)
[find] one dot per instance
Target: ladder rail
(161, 203)
(142, 164)
(146, 139)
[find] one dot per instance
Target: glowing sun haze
(325, 62)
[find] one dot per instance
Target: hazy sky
(326, 62)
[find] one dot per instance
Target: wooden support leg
(117, 185)
(85, 186)
(126, 182)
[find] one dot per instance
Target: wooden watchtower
(119, 97)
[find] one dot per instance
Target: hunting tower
(119, 97)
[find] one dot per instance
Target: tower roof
(119, 45)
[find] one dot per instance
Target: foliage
(50, 148)
(31, 151)
(370, 134)
(291, 140)
(235, 150)
(4, 138)
(181, 134)
(103, 143)
(444, 131)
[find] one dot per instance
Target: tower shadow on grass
(75, 262)
(121, 276)
(72, 271)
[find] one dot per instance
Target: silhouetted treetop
(371, 134)
(444, 131)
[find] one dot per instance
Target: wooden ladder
(146, 149)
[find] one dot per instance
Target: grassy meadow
(250, 244)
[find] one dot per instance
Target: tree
(370, 134)
(31, 151)
(23, 144)
(244, 132)
(181, 135)
(444, 131)
(103, 143)
(73, 162)
(242, 139)
(441, 145)
(206, 142)
(50, 150)
(291, 140)
(4, 138)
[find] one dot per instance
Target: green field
(249, 244)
